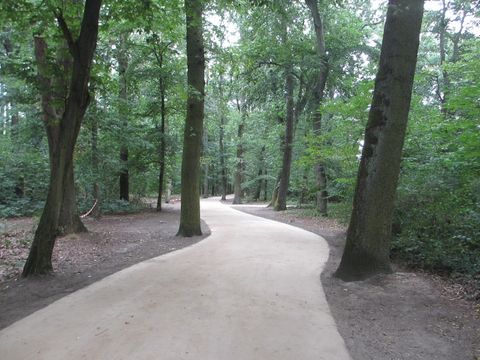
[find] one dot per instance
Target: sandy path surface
(249, 291)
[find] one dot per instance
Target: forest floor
(403, 316)
(113, 243)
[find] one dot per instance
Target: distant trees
(192, 139)
(367, 250)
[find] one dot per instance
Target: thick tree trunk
(281, 201)
(122, 59)
(237, 184)
(40, 257)
(52, 105)
(368, 238)
(321, 179)
(192, 140)
(69, 221)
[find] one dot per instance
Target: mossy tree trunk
(192, 139)
(82, 49)
(367, 251)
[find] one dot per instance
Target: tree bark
(163, 147)
(205, 185)
(237, 184)
(53, 90)
(223, 167)
(281, 201)
(97, 210)
(367, 249)
(192, 145)
(320, 176)
(82, 49)
(122, 59)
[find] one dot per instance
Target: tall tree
(318, 93)
(53, 87)
(239, 166)
(122, 58)
(192, 138)
(367, 250)
(82, 50)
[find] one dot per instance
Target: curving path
(251, 290)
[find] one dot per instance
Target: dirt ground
(112, 243)
(402, 316)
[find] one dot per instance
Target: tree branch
(67, 34)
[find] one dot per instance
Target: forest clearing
(352, 124)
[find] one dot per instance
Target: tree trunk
(261, 178)
(97, 210)
(367, 249)
(321, 179)
(223, 168)
(168, 193)
(69, 221)
(192, 140)
(163, 147)
(281, 201)
(40, 257)
(265, 186)
(205, 185)
(237, 184)
(123, 117)
(52, 94)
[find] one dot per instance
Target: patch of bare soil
(113, 243)
(402, 316)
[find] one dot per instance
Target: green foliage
(437, 216)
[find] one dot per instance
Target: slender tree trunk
(274, 198)
(161, 174)
(281, 201)
(223, 167)
(168, 192)
(40, 257)
(237, 185)
(122, 59)
(205, 185)
(320, 176)
(265, 186)
(192, 143)
(260, 174)
(367, 250)
(97, 210)
(442, 47)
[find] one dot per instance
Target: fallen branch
(89, 211)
